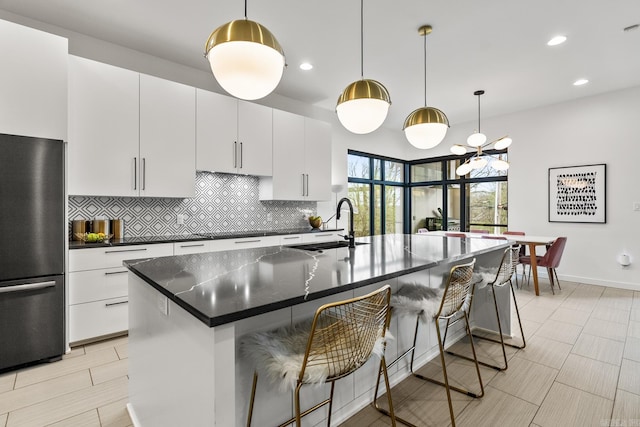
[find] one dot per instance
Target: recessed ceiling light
(306, 66)
(580, 82)
(557, 40)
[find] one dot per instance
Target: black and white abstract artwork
(577, 194)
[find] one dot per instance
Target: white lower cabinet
(328, 236)
(98, 289)
(185, 248)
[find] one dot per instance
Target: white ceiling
(495, 45)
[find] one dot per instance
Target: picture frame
(578, 194)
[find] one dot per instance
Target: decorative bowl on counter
(93, 237)
(315, 221)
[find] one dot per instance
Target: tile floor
(581, 367)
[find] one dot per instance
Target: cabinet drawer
(293, 239)
(245, 243)
(322, 237)
(184, 248)
(112, 256)
(94, 285)
(94, 319)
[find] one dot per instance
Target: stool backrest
(552, 258)
(345, 334)
(458, 291)
(508, 263)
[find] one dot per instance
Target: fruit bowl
(315, 221)
(93, 237)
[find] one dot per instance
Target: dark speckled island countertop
(223, 287)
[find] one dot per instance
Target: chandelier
(477, 141)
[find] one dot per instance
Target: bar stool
(451, 304)
(523, 252)
(502, 278)
(340, 338)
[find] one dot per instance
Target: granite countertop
(222, 287)
(74, 244)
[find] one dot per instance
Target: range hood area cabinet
(130, 134)
(232, 136)
(33, 82)
(301, 159)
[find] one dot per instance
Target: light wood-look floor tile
(497, 408)
(367, 417)
(115, 414)
(461, 373)
(626, 409)
(529, 326)
(45, 390)
(635, 314)
(7, 381)
(86, 419)
(545, 351)
(605, 329)
(559, 331)
(69, 405)
(536, 314)
(525, 379)
(590, 375)
(630, 376)
(101, 345)
(109, 371)
(598, 348)
(75, 352)
(611, 314)
(575, 317)
(3, 420)
(634, 329)
(123, 351)
(632, 349)
(64, 367)
(566, 406)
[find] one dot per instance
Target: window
(376, 187)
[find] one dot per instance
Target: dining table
(532, 241)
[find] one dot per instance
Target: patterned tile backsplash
(223, 203)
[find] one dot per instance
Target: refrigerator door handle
(27, 287)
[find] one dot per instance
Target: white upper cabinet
(301, 159)
(167, 138)
(103, 129)
(129, 134)
(33, 82)
(232, 136)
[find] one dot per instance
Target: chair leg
(333, 383)
(557, 280)
(253, 398)
(500, 341)
(550, 275)
(444, 372)
(515, 303)
(297, 405)
(382, 370)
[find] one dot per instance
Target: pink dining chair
(523, 252)
(550, 260)
(455, 234)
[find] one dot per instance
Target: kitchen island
(187, 314)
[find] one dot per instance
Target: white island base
(184, 373)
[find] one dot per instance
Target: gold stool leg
(500, 341)
(253, 398)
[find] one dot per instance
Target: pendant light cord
(245, 9)
(425, 70)
(479, 95)
(361, 39)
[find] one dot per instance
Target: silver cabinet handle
(307, 185)
(135, 173)
(291, 238)
(109, 273)
(125, 250)
(247, 241)
(302, 184)
(192, 246)
(235, 154)
(115, 303)
(144, 173)
(27, 287)
(241, 159)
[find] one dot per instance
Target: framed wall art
(578, 194)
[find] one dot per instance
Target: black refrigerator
(32, 248)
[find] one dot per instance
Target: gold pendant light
(245, 58)
(425, 127)
(364, 104)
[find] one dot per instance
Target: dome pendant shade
(363, 106)
(426, 127)
(245, 58)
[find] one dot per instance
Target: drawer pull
(108, 273)
(291, 238)
(191, 246)
(115, 303)
(247, 241)
(125, 250)
(27, 287)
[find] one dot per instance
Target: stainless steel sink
(323, 246)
